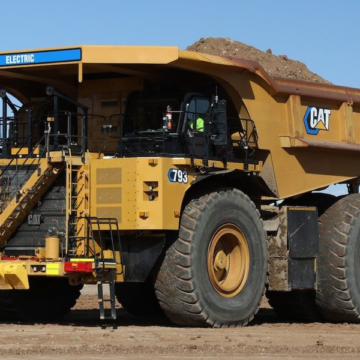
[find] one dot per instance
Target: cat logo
(316, 119)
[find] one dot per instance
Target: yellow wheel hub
(228, 260)
(220, 262)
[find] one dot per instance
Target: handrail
(29, 116)
(18, 152)
(12, 195)
(113, 227)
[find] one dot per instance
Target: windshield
(145, 115)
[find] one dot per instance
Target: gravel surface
(84, 336)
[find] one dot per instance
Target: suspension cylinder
(52, 247)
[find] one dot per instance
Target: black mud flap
(293, 247)
(303, 243)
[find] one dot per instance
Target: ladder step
(80, 237)
(107, 266)
(111, 283)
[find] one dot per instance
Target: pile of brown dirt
(274, 65)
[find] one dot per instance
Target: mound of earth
(274, 65)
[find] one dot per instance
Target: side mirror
(219, 123)
(3, 93)
(50, 90)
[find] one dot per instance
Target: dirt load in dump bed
(274, 65)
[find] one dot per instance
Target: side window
(195, 112)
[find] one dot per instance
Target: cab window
(196, 109)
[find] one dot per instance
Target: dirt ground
(83, 336)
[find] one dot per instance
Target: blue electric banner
(40, 57)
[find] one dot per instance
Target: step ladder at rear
(107, 263)
(102, 282)
(100, 240)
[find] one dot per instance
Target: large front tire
(338, 270)
(214, 274)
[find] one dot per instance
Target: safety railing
(100, 234)
(10, 186)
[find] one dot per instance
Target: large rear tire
(338, 270)
(48, 299)
(214, 274)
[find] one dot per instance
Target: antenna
(216, 95)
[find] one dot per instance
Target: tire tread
(177, 259)
(335, 297)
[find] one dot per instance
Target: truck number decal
(176, 175)
(316, 119)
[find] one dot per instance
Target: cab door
(196, 111)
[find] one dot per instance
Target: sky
(324, 34)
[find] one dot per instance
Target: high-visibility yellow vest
(199, 124)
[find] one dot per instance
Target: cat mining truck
(183, 184)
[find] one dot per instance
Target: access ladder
(101, 242)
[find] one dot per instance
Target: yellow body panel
(301, 169)
(23, 151)
(121, 189)
(13, 275)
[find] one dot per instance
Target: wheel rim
(228, 260)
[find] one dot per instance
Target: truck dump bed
(308, 133)
(312, 130)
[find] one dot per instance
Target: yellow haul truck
(158, 173)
